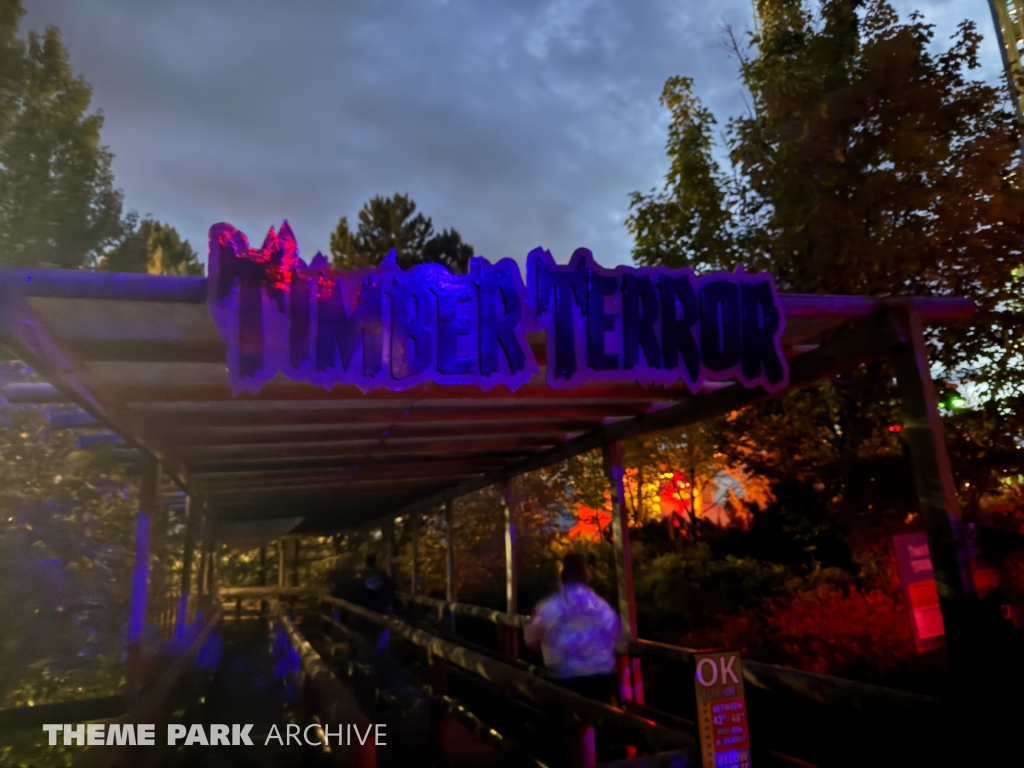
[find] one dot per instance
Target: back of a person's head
(574, 569)
(371, 561)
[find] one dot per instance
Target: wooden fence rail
(635, 730)
(822, 690)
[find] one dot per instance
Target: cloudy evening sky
(518, 122)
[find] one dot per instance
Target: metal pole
(263, 565)
(933, 476)
(191, 523)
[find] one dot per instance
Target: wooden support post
(204, 564)
(449, 561)
(414, 521)
(192, 514)
(214, 569)
(387, 533)
(280, 564)
(148, 500)
(263, 577)
(933, 477)
(158, 551)
(630, 678)
(620, 534)
(509, 636)
(293, 570)
(140, 577)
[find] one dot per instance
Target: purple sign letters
(385, 327)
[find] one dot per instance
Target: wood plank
(150, 350)
(483, 444)
(375, 442)
(164, 423)
(283, 390)
(379, 471)
(304, 490)
(24, 333)
(34, 392)
(258, 433)
(82, 320)
(346, 458)
(367, 474)
(142, 287)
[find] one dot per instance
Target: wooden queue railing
(822, 690)
(537, 691)
(329, 699)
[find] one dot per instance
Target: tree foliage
(154, 247)
(66, 538)
(868, 163)
(387, 223)
(58, 204)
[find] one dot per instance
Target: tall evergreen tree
(387, 223)
(58, 204)
(154, 247)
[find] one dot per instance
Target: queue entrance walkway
(245, 688)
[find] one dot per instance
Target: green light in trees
(952, 401)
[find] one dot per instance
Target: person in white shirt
(577, 631)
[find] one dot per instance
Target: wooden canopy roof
(141, 354)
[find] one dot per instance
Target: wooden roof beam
(866, 339)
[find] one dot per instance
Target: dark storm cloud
(520, 123)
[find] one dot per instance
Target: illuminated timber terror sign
(385, 327)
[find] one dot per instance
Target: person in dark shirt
(375, 589)
(343, 582)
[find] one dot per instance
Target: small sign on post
(722, 710)
(919, 590)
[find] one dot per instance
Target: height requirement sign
(385, 327)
